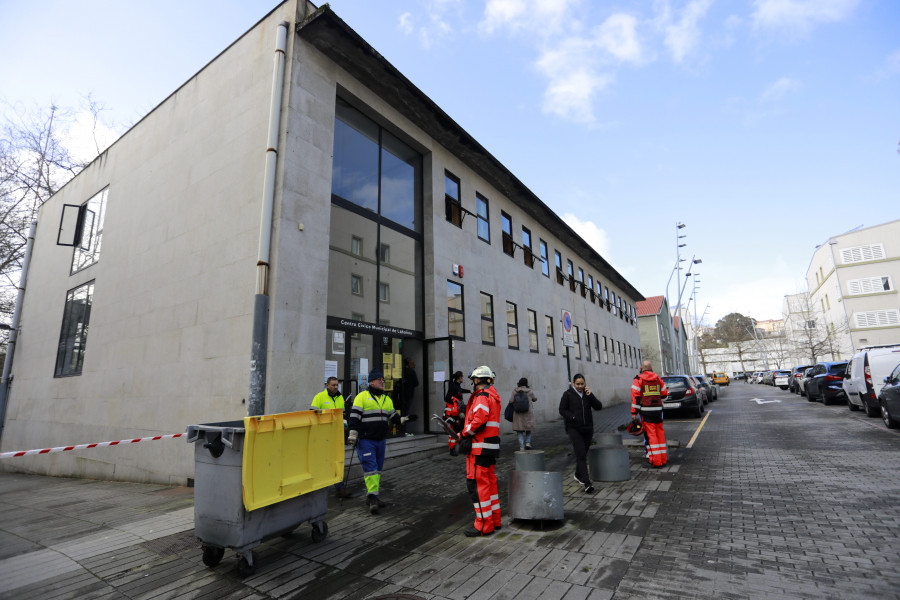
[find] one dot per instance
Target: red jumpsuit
(647, 393)
(452, 416)
(483, 426)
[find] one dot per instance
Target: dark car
(684, 394)
(826, 382)
(712, 390)
(796, 376)
(889, 399)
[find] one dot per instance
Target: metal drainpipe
(14, 328)
(256, 404)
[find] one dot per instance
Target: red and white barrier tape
(83, 446)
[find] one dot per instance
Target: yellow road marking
(699, 427)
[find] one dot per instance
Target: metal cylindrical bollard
(530, 460)
(536, 495)
(609, 463)
(608, 439)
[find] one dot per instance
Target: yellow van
(720, 378)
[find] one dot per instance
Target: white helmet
(482, 372)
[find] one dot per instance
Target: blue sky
(765, 126)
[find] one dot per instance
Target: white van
(865, 375)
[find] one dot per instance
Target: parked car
(826, 382)
(712, 390)
(801, 385)
(796, 376)
(781, 379)
(684, 394)
(865, 375)
(720, 378)
(889, 399)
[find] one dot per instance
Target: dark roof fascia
(328, 33)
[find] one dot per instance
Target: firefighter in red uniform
(455, 409)
(482, 425)
(647, 393)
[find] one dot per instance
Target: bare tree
(34, 164)
(816, 338)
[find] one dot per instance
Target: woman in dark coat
(575, 407)
(523, 422)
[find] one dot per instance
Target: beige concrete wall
(169, 337)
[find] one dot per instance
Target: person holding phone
(576, 408)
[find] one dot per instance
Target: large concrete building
(258, 236)
(852, 294)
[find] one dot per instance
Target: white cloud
(540, 17)
(800, 15)
(85, 140)
(683, 35)
(618, 36)
(589, 232)
(406, 25)
(777, 90)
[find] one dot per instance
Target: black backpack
(521, 402)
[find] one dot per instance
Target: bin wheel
(212, 555)
(319, 531)
(244, 567)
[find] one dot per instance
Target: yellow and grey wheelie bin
(261, 477)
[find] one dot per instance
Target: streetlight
(679, 353)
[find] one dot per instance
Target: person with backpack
(523, 415)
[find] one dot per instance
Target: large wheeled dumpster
(261, 477)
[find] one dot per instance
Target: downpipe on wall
(14, 328)
(256, 404)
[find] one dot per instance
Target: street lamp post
(679, 353)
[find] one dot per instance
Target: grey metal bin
(220, 517)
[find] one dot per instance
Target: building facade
(657, 337)
(852, 289)
(392, 234)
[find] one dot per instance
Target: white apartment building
(852, 281)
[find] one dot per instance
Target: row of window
(613, 352)
(455, 214)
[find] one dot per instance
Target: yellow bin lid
(290, 454)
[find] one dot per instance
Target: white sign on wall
(568, 336)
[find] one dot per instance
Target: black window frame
(557, 258)
(487, 319)
(509, 245)
(532, 333)
(453, 206)
(479, 219)
(514, 326)
(73, 336)
(545, 258)
(460, 311)
(527, 250)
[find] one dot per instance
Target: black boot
(372, 503)
(470, 531)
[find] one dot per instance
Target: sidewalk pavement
(70, 538)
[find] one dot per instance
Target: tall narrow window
(545, 260)
(456, 317)
(615, 305)
(605, 350)
(487, 319)
(606, 298)
(88, 252)
(577, 346)
(597, 345)
(73, 336)
(481, 213)
(532, 331)
(587, 345)
(560, 277)
(512, 326)
(570, 268)
(452, 205)
(356, 245)
(581, 281)
(356, 286)
(526, 248)
(590, 287)
(506, 229)
(384, 292)
(548, 328)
